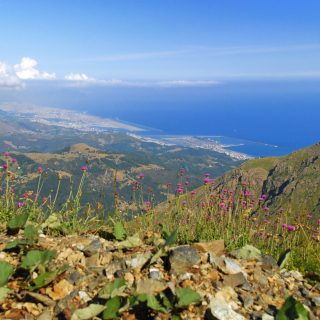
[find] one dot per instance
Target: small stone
(316, 301)
(213, 275)
(155, 273)
(150, 286)
(247, 300)
(266, 316)
(296, 274)
(223, 311)
(232, 266)
(60, 290)
(138, 261)
(129, 278)
(92, 261)
(183, 258)
(268, 261)
(84, 296)
(234, 280)
(260, 278)
(93, 248)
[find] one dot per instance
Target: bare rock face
(131, 280)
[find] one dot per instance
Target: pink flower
(222, 205)
(13, 160)
(291, 227)
(5, 167)
(7, 154)
(179, 190)
(266, 209)
(140, 176)
(192, 192)
(20, 204)
(40, 169)
(207, 180)
(318, 222)
(187, 183)
(84, 168)
(247, 194)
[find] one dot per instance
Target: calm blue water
(281, 113)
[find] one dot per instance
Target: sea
(256, 117)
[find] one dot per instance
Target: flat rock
(215, 247)
(248, 252)
(150, 286)
(183, 258)
(234, 280)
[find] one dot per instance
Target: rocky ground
(89, 277)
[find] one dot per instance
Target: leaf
(172, 238)
(153, 303)
(17, 222)
(187, 296)
(17, 243)
(160, 253)
(3, 293)
(165, 301)
(6, 271)
(31, 232)
(130, 242)
(283, 259)
(292, 309)
(119, 231)
(88, 313)
(113, 305)
(53, 222)
(113, 289)
(35, 258)
(47, 277)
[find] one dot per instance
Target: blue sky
(167, 42)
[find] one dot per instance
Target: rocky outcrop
(291, 183)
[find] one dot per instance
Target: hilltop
(290, 183)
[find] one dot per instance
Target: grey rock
(269, 262)
(138, 261)
(316, 301)
(221, 310)
(234, 280)
(247, 300)
(183, 258)
(267, 316)
(93, 248)
(155, 274)
(232, 266)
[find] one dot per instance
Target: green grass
(265, 163)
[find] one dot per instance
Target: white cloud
(78, 77)
(26, 70)
(187, 83)
(8, 78)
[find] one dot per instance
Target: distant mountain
(111, 171)
(291, 183)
